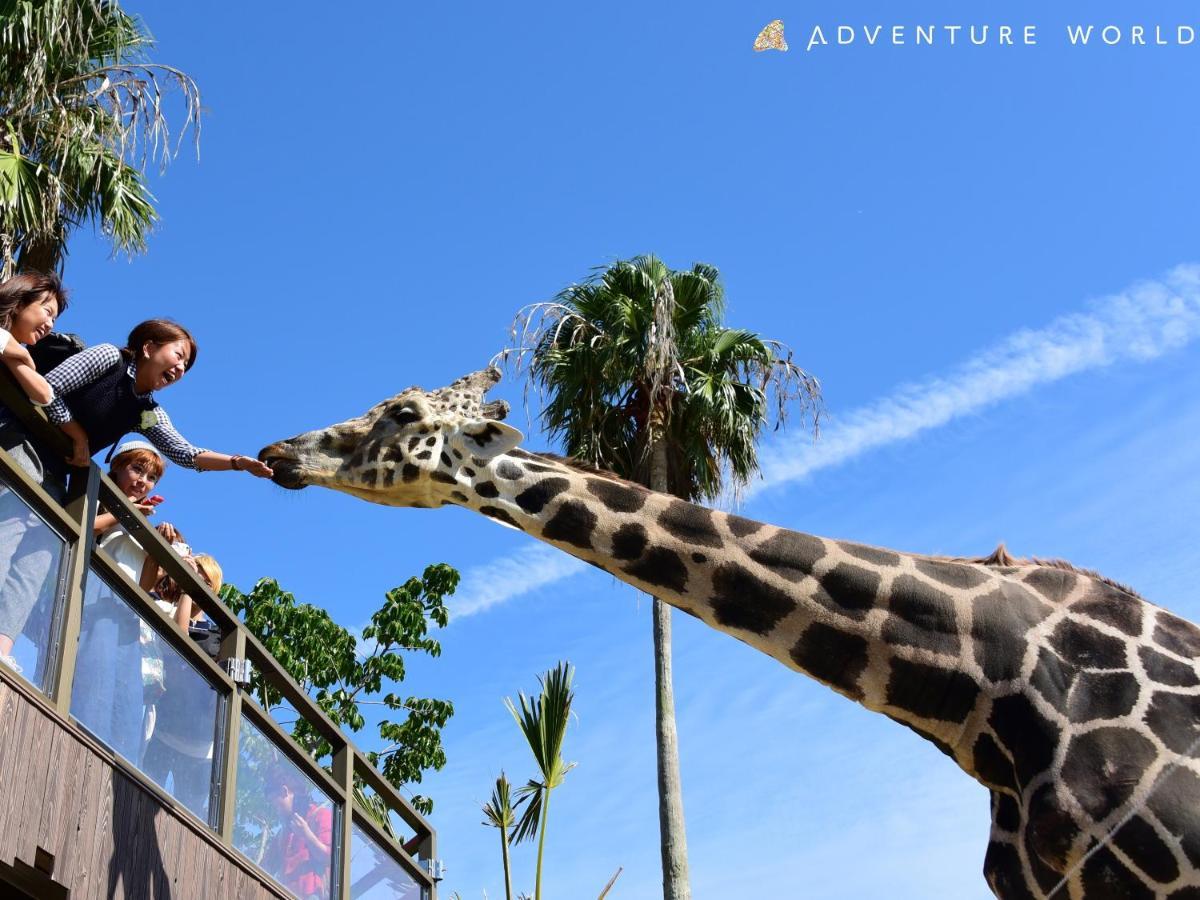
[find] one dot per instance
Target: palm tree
(641, 377)
(501, 813)
(81, 114)
(543, 721)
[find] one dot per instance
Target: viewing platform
(79, 815)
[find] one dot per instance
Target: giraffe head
(405, 451)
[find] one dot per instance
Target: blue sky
(381, 188)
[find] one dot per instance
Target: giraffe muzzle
(286, 468)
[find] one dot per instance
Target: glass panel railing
(144, 699)
(32, 558)
(283, 822)
(375, 874)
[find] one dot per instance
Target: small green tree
(543, 721)
(324, 659)
(500, 812)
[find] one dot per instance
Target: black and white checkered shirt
(86, 367)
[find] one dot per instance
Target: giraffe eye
(405, 416)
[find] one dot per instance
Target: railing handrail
(231, 627)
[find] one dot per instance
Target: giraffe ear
(485, 438)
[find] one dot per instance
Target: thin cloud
(1139, 324)
(528, 569)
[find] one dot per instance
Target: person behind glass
(101, 394)
(299, 854)
(181, 739)
(108, 696)
(29, 305)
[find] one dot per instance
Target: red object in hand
(156, 499)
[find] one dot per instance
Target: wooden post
(343, 773)
(233, 646)
(82, 489)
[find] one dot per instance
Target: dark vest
(108, 409)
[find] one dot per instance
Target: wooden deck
(74, 818)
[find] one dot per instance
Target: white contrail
(528, 569)
(1139, 324)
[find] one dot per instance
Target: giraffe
(1072, 699)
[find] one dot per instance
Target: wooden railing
(87, 489)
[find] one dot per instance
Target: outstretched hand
(256, 467)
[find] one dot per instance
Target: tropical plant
(639, 376)
(500, 812)
(327, 661)
(543, 722)
(82, 112)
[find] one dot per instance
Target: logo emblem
(771, 37)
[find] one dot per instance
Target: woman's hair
(148, 458)
(160, 331)
(211, 570)
(29, 287)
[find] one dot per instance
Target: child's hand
(168, 531)
(81, 458)
(146, 508)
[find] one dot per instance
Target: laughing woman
(100, 395)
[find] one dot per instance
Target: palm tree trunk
(537, 883)
(672, 834)
(507, 868)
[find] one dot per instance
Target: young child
(29, 305)
(108, 689)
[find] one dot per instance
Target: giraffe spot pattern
(392, 454)
(1003, 873)
(1053, 584)
(425, 454)
(446, 460)
(1175, 720)
(1052, 678)
(991, 764)
(1175, 802)
(661, 567)
(850, 590)
(1000, 620)
(1005, 811)
(389, 476)
(535, 497)
(931, 692)
(368, 476)
(955, 575)
(572, 523)
(1029, 736)
(691, 524)
(468, 471)
(509, 471)
(741, 528)
(1049, 837)
(1140, 842)
(699, 558)
(832, 656)
(789, 554)
(618, 497)
(494, 512)
(873, 555)
(742, 600)
(629, 541)
(459, 496)
(1112, 607)
(409, 473)
(1176, 635)
(1166, 670)
(922, 617)
(1106, 876)
(1121, 754)
(1086, 647)
(487, 489)
(442, 477)
(1102, 695)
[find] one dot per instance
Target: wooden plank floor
(110, 836)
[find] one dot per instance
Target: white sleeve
(5, 337)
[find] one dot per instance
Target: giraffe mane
(1001, 558)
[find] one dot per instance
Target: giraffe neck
(878, 626)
